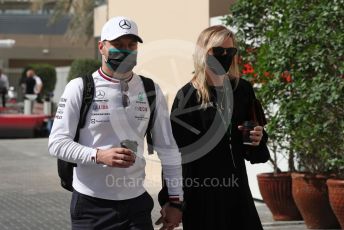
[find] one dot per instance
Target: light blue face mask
(121, 61)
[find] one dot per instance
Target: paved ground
(31, 197)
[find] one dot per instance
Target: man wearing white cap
(108, 190)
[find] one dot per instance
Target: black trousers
(94, 213)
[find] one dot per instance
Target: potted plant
(336, 164)
(336, 189)
(316, 143)
(275, 187)
(297, 43)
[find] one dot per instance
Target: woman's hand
(170, 218)
(256, 134)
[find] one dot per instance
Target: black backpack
(65, 169)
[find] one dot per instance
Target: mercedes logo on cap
(124, 24)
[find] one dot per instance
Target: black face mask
(219, 63)
(121, 61)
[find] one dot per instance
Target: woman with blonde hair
(207, 117)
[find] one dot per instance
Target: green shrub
(82, 67)
(304, 40)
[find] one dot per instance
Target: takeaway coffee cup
(247, 127)
(129, 144)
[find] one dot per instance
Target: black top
(213, 154)
(30, 83)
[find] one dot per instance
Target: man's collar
(109, 78)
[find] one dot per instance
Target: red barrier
(20, 125)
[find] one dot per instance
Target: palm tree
(80, 13)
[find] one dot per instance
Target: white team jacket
(107, 123)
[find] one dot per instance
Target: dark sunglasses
(124, 91)
(219, 51)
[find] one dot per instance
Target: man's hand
(170, 217)
(116, 157)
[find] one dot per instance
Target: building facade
(36, 41)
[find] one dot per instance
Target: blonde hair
(210, 37)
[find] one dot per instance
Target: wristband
(179, 206)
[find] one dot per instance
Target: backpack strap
(87, 98)
(149, 86)
(64, 168)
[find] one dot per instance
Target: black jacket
(213, 152)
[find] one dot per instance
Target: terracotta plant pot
(336, 195)
(276, 192)
(311, 197)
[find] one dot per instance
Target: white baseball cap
(117, 27)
